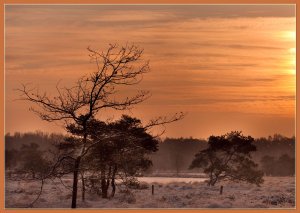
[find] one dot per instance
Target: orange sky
(230, 67)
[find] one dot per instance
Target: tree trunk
(209, 183)
(75, 182)
(113, 185)
(103, 183)
(108, 179)
(213, 182)
(76, 170)
(83, 187)
(210, 178)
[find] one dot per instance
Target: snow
(275, 192)
(165, 180)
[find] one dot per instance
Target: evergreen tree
(228, 158)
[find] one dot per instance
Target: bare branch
(165, 120)
(39, 194)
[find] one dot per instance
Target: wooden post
(152, 189)
(221, 190)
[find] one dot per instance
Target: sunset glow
(229, 67)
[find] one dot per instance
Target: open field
(276, 192)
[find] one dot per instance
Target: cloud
(203, 58)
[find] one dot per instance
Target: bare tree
(79, 104)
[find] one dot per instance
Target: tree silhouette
(228, 158)
(122, 151)
(79, 104)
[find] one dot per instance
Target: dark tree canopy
(228, 157)
(120, 150)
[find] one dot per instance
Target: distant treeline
(176, 154)
(44, 140)
(276, 151)
(275, 154)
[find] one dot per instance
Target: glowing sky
(230, 67)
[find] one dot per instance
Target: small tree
(228, 158)
(131, 149)
(120, 149)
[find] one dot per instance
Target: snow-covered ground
(167, 180)
(276, 192)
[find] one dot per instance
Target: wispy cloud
(217, 58)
